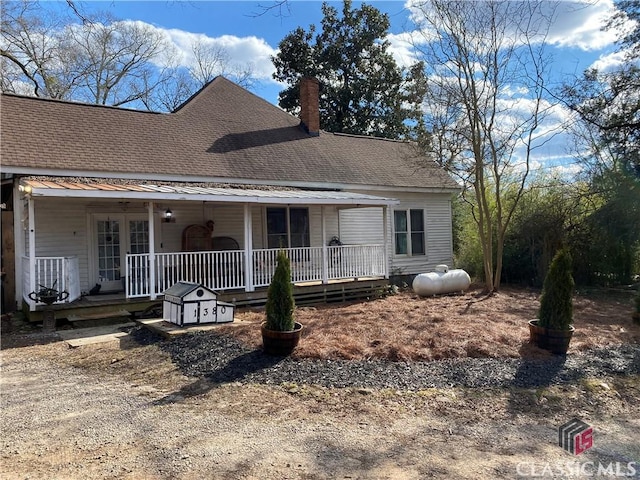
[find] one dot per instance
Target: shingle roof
(223, 132)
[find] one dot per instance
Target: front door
(116, 236)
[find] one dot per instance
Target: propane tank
(442, 280)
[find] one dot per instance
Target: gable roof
(223, 133)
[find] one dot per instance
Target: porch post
(385, 229)
(32, 249)
(152, 253)
(325, 264)
(18, 238)
(248, 249)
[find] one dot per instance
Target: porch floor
(308, 293)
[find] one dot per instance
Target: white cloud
(242, 52)
(580, 24)
(401, 47)
(577, 24)
(610, 62)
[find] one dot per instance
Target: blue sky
(252, 38)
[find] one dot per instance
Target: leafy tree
(476, 54)
(363, 91)
(541, 224)
(607, 104)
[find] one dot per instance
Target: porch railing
(225, 270)
(306, 265)
(59, 273)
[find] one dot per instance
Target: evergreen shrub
(556, 303)
(280, 303)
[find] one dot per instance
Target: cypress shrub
(280, 303)
(556, 303)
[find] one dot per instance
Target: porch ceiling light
(168, 215)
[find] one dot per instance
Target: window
(287, 227)
(409, 232)
(139, 236)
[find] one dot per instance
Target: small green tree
(280, 302)
(556, 303)
(636, 314)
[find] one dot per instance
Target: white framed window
(409, 232)
(287, 227)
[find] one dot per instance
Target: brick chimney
(310, 105)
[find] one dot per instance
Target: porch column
(248, 249)
(325, 256)
(152, 253)
(385, 229)
(32, 249)
(19, 244)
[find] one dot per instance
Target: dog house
(188, 303)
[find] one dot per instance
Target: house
(132, 202)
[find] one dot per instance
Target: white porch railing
(59, 273)
(306, 265)
(355, 261)
(225, 270)
(221, 270)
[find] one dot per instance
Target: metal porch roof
(61, 188)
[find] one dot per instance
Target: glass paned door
(109, 254)
(115, 237)
(139, 236)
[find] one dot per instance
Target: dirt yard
(408, 327)
(101, 411)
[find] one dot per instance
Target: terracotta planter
(280, 343)
(556, 341)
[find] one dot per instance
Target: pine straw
(406, 327)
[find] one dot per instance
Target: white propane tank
(442, 280)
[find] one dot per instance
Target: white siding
(229, 222)
(363, 225)
(61, 231)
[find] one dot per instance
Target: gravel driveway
(229, 421)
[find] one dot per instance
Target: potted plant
(554, 327)
(280, 332)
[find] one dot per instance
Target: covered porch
(165, 256)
